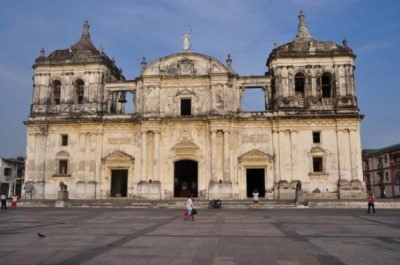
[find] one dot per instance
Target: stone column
(41, 157)
(284, 151)
(276, 162)
(351, 80)
(294, 155)
(156, 159)
(343, 154)
(355, 151)
(213, 156)
(340, 154)
(336, 80)
(98, 165)
(36, 89)
(88, 156)
(44, 89)
(347, 79)
(67, 90)
(143, 175)
(150, 156)
(88, 86)
(226, 176)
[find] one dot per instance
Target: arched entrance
(256, 172)
(255, 179)
(119, 183)
(185, 178)
(116, 168)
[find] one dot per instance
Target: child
(14, 200)
(255, 198)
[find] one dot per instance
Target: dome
(82, 52)
(304, 45)
(84, 48)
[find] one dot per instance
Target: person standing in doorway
(371, 202)
(3, 199)
(255, 198)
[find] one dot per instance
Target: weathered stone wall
(213, 131)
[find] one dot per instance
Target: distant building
(11, 176)
(381, 168)
(188, 133)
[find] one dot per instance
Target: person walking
(14, 200)
(3, 199)
(371, 202)
(189, 206)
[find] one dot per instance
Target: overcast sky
(247, 29)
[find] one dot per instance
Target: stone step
(180, 203)
(173, 203)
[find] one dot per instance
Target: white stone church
(187, 133)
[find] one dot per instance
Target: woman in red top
(14, 200)
(371, 202)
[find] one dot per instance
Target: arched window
(326, 85)
(55, 92)
(299, 84)
(317, 158)
(62, 160)
(186, 106)
(79, 91)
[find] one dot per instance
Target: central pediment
(185, 147)
(256, 155)
(118, 156)
(186, 63)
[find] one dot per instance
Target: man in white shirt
(3, 199)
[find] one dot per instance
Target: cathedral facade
(187, 133)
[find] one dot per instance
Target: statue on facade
(186, 31)
(298, 194)
(63, 187)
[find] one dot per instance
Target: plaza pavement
(217, 236)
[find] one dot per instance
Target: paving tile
(224, 237)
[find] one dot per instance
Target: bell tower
(308, 74)
(70, 82)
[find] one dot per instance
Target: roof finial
(229, 60)
(186, 31)
(302, 32)
(345, 43)
(42, 52)
(85, 32)
(143, 63)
